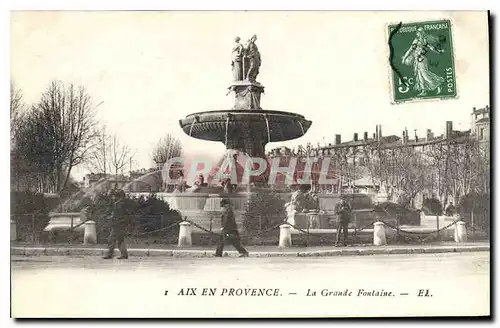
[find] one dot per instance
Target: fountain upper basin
(212, 125)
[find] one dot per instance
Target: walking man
(118, 226)
(229, 231)
(344, 212)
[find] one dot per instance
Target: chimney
(416, 136)
(376, 133)
(449, 129)
(403, 139)
(355, 137)
(407, 136)
(338, 139)
(429, 134)
(379, 132)
(365, 136)
(374, 137)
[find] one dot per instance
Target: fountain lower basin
(65, 221)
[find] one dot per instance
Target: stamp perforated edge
(387, 33)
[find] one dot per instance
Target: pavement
(169, 287)
(255, 251)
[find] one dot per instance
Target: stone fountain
(244, 129)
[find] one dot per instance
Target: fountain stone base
(204, 209)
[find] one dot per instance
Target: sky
(150, 69)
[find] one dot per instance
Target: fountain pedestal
(247, 95)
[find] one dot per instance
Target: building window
(481, 134)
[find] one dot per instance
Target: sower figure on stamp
(118, 226)
(416, 56)
(344, 213)
(229, 231)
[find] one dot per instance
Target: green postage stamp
(421, 60)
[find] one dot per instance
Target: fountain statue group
(245, 60)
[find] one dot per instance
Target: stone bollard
(285, 236)
(13, 230)
(184, 234)
(90, 233)
(379, 234)
(460, 232)
(314, 222)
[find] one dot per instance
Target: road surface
(379, 285)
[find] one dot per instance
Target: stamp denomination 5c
(421, 60)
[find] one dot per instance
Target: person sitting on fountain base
(182, 186)
(227, 186)
(200, 181)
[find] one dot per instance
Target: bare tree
(411, 175)
(110, 155)
(468, 168)
(98, 161)
(16, 109)
(119, 155)
(168, 147)
(18, 167)
(58, 133)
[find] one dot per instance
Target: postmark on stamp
(421, 59)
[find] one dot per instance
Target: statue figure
(298, 200)
(237, 60)
(252, 61)
(290, 212)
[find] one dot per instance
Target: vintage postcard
(250, 164)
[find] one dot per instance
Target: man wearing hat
(229, 231)
(118, 226)
(344, 212)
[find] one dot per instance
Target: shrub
(144, 214)
(433, 205)
(30, 212)
(264, 210)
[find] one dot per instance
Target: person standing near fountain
(344, 212)
(118, 227)
(229, 231)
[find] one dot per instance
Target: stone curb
(187, 253)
